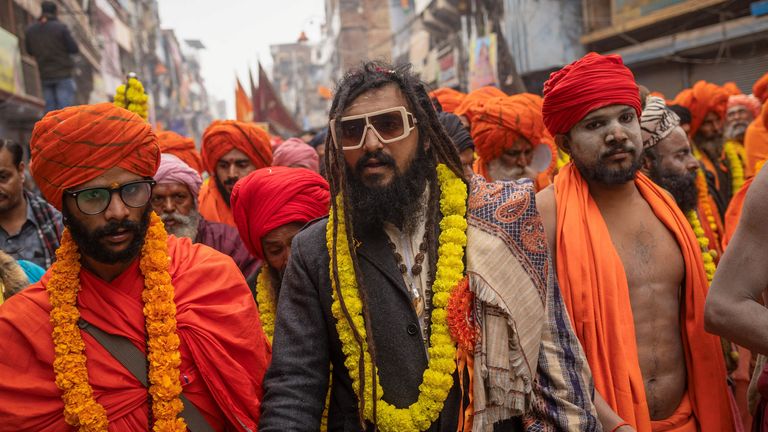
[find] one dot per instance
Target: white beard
(186, 226)
(497, 171)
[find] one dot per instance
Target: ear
(563, 142)
(647, 164)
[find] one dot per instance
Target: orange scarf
(595, 291)
(212, 206)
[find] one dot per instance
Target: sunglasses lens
(389, 125)
(352, 132)
(136, 195)
(93, 201)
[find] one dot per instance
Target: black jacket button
(412, 329)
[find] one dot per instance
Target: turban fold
(294, 152)
(475, 99)
(702, 99)
(750, 102)
(500, 121)
(175, 170)
(448, 98)
(269, 198)
(760, 89)
(456, 130)
(657, 121)
(182, 147)
(75, 145)
(222, 136)
(590, 83)
(732, 88)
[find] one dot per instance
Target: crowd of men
(588, 260)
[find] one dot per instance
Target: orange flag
(243, 106)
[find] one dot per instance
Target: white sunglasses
(389, 125)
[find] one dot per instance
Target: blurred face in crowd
(709, 137)
(467, 158)
(116, 234)
(606, 145)
(233, 166)
(513, 164)
(276, 245)
(738, 119)
(671, 165)
(11, 182)
(175, 205)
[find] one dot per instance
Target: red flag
(271, 109)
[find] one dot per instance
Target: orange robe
(212, 206)
(224, 352)
(595, 291)
(733, 214)
(756, 142)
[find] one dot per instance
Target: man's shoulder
(311, 237)
(501, 201)
(187, 256)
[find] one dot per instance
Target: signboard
(482, 62)
(626, 10)
(448, 75)
(11, 79)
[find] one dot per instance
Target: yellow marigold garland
(704, 200)
(131, 96)
(706, 254)
(735, 165)
(437, 379)
(266, 303)
(80, 407)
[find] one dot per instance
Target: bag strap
(125, 352)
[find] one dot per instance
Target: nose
(691, 164)
(168, 206)
(116, 210)
(617, 131)
(232, 171)
(371, 143)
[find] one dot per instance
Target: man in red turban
(629, 265)
(270, 206)
(184, 308)
(509, 134)
(231, 150)
(182, 147)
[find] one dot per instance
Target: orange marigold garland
(705, 202)
(459, 316)
(80, 407)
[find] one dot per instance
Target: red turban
(760, 89)
(502, 120)
(75, 145)
(475, 99)
(222, 136)
(702, 99)
(182, 147)
(590, 83)
(449, 98)
(269, 198)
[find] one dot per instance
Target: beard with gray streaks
(185, 226)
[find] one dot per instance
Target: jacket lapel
(376, 252)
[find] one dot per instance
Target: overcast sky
(238, 33)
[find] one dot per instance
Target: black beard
(600, 173)
(682, 187)
(712, 147)
(397, 203)
(88, 241)
(223, 191)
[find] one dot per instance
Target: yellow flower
(706, 255)
(735, 165)
(266, 303)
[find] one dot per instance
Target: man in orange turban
(182, 147)
(508, 132)
(448, 98)
(756, 137)
(629, 265)
(137, 293)
(467, 108)
(231, 150)
(708, 103)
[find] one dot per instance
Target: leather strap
(125, 352)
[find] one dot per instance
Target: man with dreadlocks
(417, 342)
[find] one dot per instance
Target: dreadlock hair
(369, 76)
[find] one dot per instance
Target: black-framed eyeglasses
(93, 201)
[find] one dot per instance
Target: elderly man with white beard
(174, 199)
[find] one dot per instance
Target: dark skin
(467, 158)
(709, 136)
(733, 309)
(674, 154)
(650, 255)
(117, 211)
(13, 204)
(233, 166)
(276, 245)
(172, 198)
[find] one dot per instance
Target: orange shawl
(756, 142)
(733, 214)
(595, 291)
(212, 206)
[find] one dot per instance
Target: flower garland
(437, 378)
(459, 314)
(735, 165)
(266, 303)
(706, 254)
(131, 96)
(705, 202)
(80, 407)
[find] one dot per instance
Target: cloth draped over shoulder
(75, 145)
(182, 147)
(224, 352)
(595, 291)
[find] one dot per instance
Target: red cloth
(75, 145)
(700, 100)
(224, 352)
(272, 197)
(182, 147)
(449, 98)
(590, 83)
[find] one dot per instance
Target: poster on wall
(482, 62)
(11, 79)
(448, 73)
